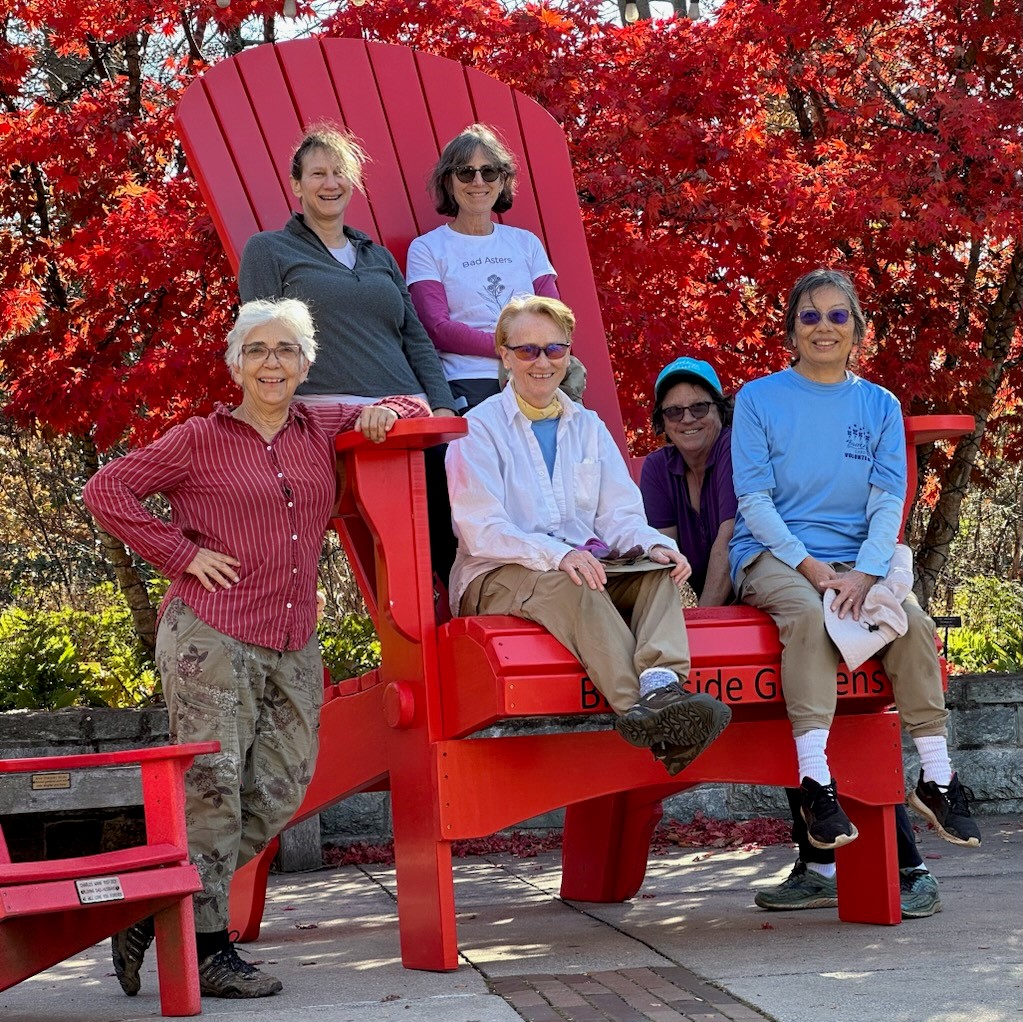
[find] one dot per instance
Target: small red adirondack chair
(52, 909)
(411, 724)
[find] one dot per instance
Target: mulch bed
(700, 832)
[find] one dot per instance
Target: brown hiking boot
(676, 719)
(224, 974)
(128, 948)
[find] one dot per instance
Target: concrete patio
(691, 945)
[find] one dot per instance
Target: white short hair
(289, 313)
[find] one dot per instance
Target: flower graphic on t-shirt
(857, 442)
(493, 289)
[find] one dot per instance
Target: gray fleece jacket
(370, 341)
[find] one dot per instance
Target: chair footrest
(124, 860)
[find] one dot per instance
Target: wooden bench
(52, 909)
(413, 724)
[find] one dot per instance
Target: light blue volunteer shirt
(816, 448)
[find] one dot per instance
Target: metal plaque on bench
(96, 889)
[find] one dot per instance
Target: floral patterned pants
(263, 707)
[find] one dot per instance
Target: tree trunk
(944, 520)
(134, 589)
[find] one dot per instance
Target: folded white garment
(882, 618)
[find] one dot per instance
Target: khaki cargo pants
(263, 706)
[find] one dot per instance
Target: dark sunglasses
(468, 174)
(811, 317)
(698, 410)
(531, 352)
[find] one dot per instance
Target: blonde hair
(340, 144)
(537, 305)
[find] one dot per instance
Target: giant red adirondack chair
(409, 724)
(52, 909)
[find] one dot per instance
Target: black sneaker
(224, 974)
(127, 949)
(918, 894)
(827, 826)
(671, 716)
(947, 810)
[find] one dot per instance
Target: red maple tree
(715, 161)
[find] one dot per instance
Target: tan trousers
(809, 659)
(591, 624)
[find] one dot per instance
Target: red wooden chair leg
(248, 894)
(868, 868)
(606, 844)
(426, 890)
(177, 966)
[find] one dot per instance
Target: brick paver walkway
(670, 994)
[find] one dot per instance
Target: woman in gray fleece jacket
(372, 344)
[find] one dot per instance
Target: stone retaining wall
(985, 729)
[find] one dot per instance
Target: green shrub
(991, 637)
(53, 659)
(349, 644)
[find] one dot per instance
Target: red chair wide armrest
(925, 429)
(407, 434)
(38, 764)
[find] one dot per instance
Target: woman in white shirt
(462, 274)
(551, 528)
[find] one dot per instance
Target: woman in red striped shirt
(251, 489)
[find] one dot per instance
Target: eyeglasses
(261, 352)
(531, 352)
(468, 174)
(811, 317)
(698, 410)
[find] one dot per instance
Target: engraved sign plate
(97, 889)
(49, 782)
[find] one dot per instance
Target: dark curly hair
(457, 153)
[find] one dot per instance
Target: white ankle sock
(933, 752)
(813, 760)
(654, 678)
(826, 869)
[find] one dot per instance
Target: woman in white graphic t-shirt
(462, 274)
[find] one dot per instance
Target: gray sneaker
(918, 894)
(127, 949)
(802, 888)
(224, 974)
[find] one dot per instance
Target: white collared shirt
(506, 509)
